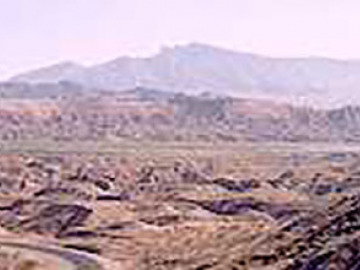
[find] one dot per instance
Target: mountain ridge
(71, 112)
(198, 68)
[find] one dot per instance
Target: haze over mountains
(198, 68)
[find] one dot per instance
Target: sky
(36, 33)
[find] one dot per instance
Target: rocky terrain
(70, 112)
(195, 206)
(92, 178)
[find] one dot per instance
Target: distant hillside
(199, 68)
(67, 111)
(52, 74)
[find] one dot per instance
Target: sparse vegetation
(187, 205)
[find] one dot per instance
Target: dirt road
(71, 260)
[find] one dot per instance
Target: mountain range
(197, 68)
(193, 92)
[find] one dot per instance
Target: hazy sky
(34, 33)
